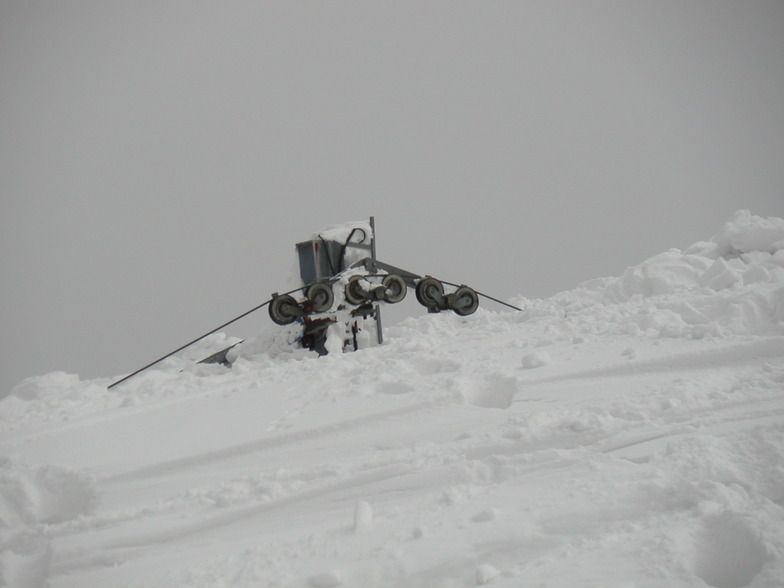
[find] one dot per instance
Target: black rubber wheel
(394, 289)
(430, 292)
(284, 309)
(320, 296)
(465, 301)
(353, 291)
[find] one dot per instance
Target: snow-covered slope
(629, 432)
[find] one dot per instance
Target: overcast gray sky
(158, 160)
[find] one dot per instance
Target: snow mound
(49, 397)
(45, 494)
(41, 387)
(746, 233)
(535, 359)
(732, 284)
(748, 250)
(31, 499)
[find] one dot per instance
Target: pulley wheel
(430, 292)
(394, 289)
(466, 301)
(284, 310)
(353, 292)
(320, 296)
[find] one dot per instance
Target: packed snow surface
(627, 433)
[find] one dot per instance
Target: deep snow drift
(629, 432)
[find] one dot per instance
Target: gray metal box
(318, 260)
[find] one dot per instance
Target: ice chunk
(485, 573)
(363, 517)
(535, 359)
(745, 232)
(326, 580)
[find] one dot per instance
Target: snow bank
(732, 284)
(748, 250)
(45, 386)
(746, 233)
(50, 397)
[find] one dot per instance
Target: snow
(535, 359)
(363, 517)
(357, 232)
(629, 432)
(341, 232)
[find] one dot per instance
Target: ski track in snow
(584, 442)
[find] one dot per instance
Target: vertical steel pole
(374, 269)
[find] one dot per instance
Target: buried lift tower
(362, 286)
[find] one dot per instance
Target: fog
(158, 162)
